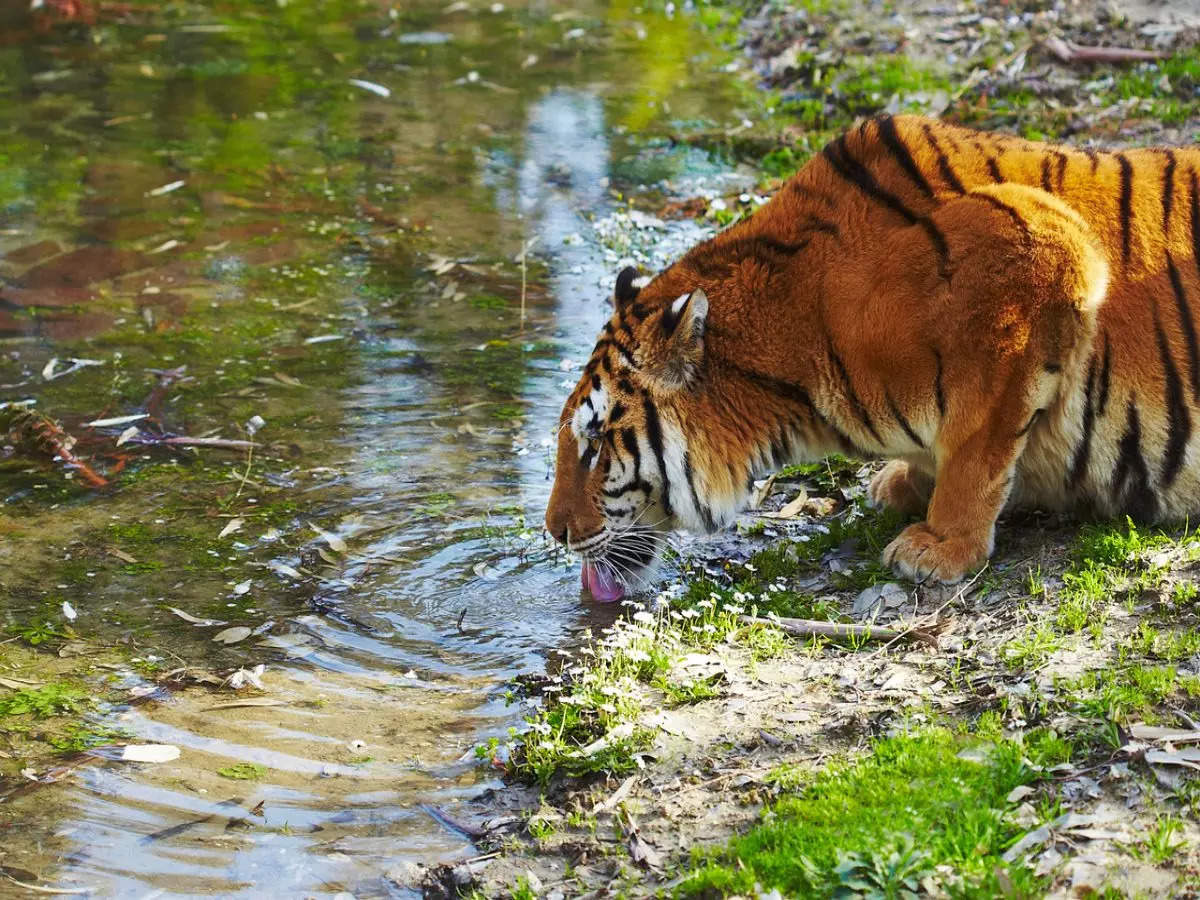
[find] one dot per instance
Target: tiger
(1007, 324)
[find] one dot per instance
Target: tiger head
(627, 469)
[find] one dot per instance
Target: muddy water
(204, 220)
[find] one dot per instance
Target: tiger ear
(627, 287)
(679, 356)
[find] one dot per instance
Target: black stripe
(1037, 413)
(1095, 159)
(1131, 478)
(994, 170)
(853, 171)
(589, 454)
(616, 412)
(1126, 204)
(735, 249)
(938, 394)
(625, 385)
(789, 390)
(654, 435)
(1187, 324)
(1061, 174)
(822, 225)
(1102, 403)
(705, 512)
(1083, 451)
(1006, 209)
(1168, 191)
(899, 417)
(626, 355)
(630, 442)
(1179, 420)
(856, 404)
(891, 138)
(944, 163)
(1046, 185)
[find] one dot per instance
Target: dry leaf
(233, 635)
(150, 753)
(231, 527)
(188, 617)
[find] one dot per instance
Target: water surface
(205, 219)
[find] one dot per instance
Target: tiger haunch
(1011, 323)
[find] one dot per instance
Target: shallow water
(205, 187)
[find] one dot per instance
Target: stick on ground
(841, 631)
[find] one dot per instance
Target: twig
(246, 474)
(932, 618)
(82, 889)
(840, 631)
(215, 443)
(1070, 52)
(449, 821)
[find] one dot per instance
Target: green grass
(54, 699)
(243, 771)
(879, 825)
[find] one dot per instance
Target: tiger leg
(901, 486)
(1027, 277)
(958, 534)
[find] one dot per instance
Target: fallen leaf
(285, 569)
(150, 753)
(165, 189)
(335, 543)
(233, 635)
(231, 527)
(1020, 792)
(791, 509)
(377, 89)
(128, 435)
(119, 420)
(249, 701)
(188, 617)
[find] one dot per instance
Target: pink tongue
(601, 584)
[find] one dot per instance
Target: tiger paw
(920, 554)
(900, 487)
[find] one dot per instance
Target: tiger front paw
(900, 487)
(920, 554)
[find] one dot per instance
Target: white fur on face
(589, 416)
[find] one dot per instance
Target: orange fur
(1014, 323)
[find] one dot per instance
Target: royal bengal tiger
(1010, 323)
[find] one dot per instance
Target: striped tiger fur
(1009, 323)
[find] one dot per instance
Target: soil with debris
(1004, 643)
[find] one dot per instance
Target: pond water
(376, 242)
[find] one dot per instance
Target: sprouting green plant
(244, 771)
(893, 872)
(1161, 843)
(55, 699)
(36, 633)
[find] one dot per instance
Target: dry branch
(1069, 52)
(841, 631)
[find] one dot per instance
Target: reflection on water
(213, 192)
